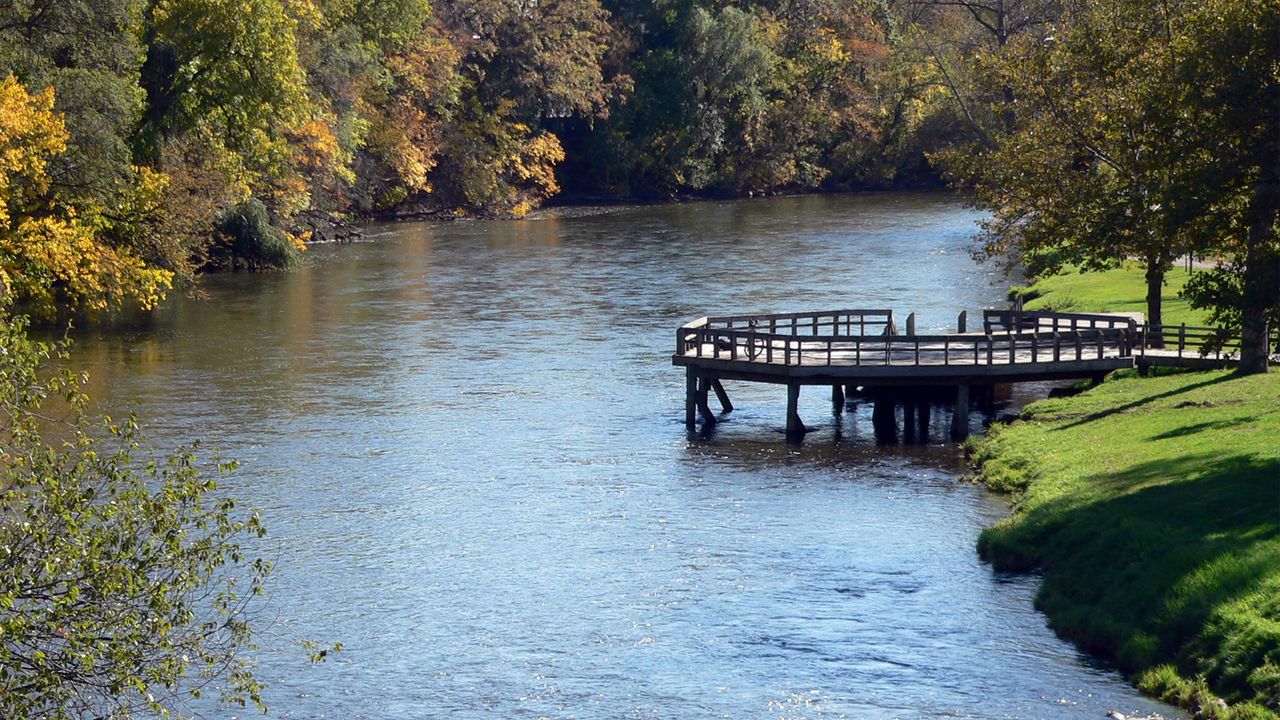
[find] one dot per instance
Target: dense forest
(145, 141)
(148, 140)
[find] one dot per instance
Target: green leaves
(120, 576)
(1134, 137)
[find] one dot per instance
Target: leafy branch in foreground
(123, 586)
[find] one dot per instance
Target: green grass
(1153, 508)
(1120, 290)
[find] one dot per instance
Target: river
(467, 442)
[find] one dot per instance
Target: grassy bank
(1153, 508)
(1119, 290)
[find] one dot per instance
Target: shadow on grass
(1186, 430)
(1167, 567)
(1091, 417)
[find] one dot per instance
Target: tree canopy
(1146, 132)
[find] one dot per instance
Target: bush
(252, 241)
(123, 587)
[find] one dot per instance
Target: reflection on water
(467, 442)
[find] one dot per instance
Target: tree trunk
(1155, 291)
(1261, 273)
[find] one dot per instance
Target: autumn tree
(53, 253)
(87, 51)
(521, 65)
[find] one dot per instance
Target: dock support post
(960, 415)
(909, 421)
(851, 390)
(721, 395)
(704, 387)
(922, 422)
(795, 428)
(837, 397)
(690, 398)
(985, 397)
(884, 420)
(962, 322)
(911, 324)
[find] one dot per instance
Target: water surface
(467, 442)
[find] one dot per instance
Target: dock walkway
(844, 349)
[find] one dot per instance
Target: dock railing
(826, 322)
(797, 339)
(1036, 321)
(1192, 341)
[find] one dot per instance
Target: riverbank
(1152, 506)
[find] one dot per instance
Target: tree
(957, 35)
(521, 65)
(1080, 178)
(52, 252)
(1145, 132)
(124, 589)
(88, 52)
(1227, 175)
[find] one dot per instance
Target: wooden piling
(837, 397)
(962, 322)
(690, 398)
(884, 420)
(960, 415)
(721, 395)
(704, 387)
(795, 427)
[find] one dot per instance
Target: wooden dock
(845, 349)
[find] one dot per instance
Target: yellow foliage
(46, 258)
(30, 134)
(536, 160)
(47, 251)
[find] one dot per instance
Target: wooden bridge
(844, 349)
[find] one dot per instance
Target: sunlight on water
(466, 440)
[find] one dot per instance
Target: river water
(466, 440)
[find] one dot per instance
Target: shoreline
(1152, 508)
(582, 205)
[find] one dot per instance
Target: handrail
(1024, 319)
(859, 337)
(834, 322)
(1216, 342)
(796, 315)
(754, 346)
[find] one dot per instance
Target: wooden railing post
(1182, 338)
